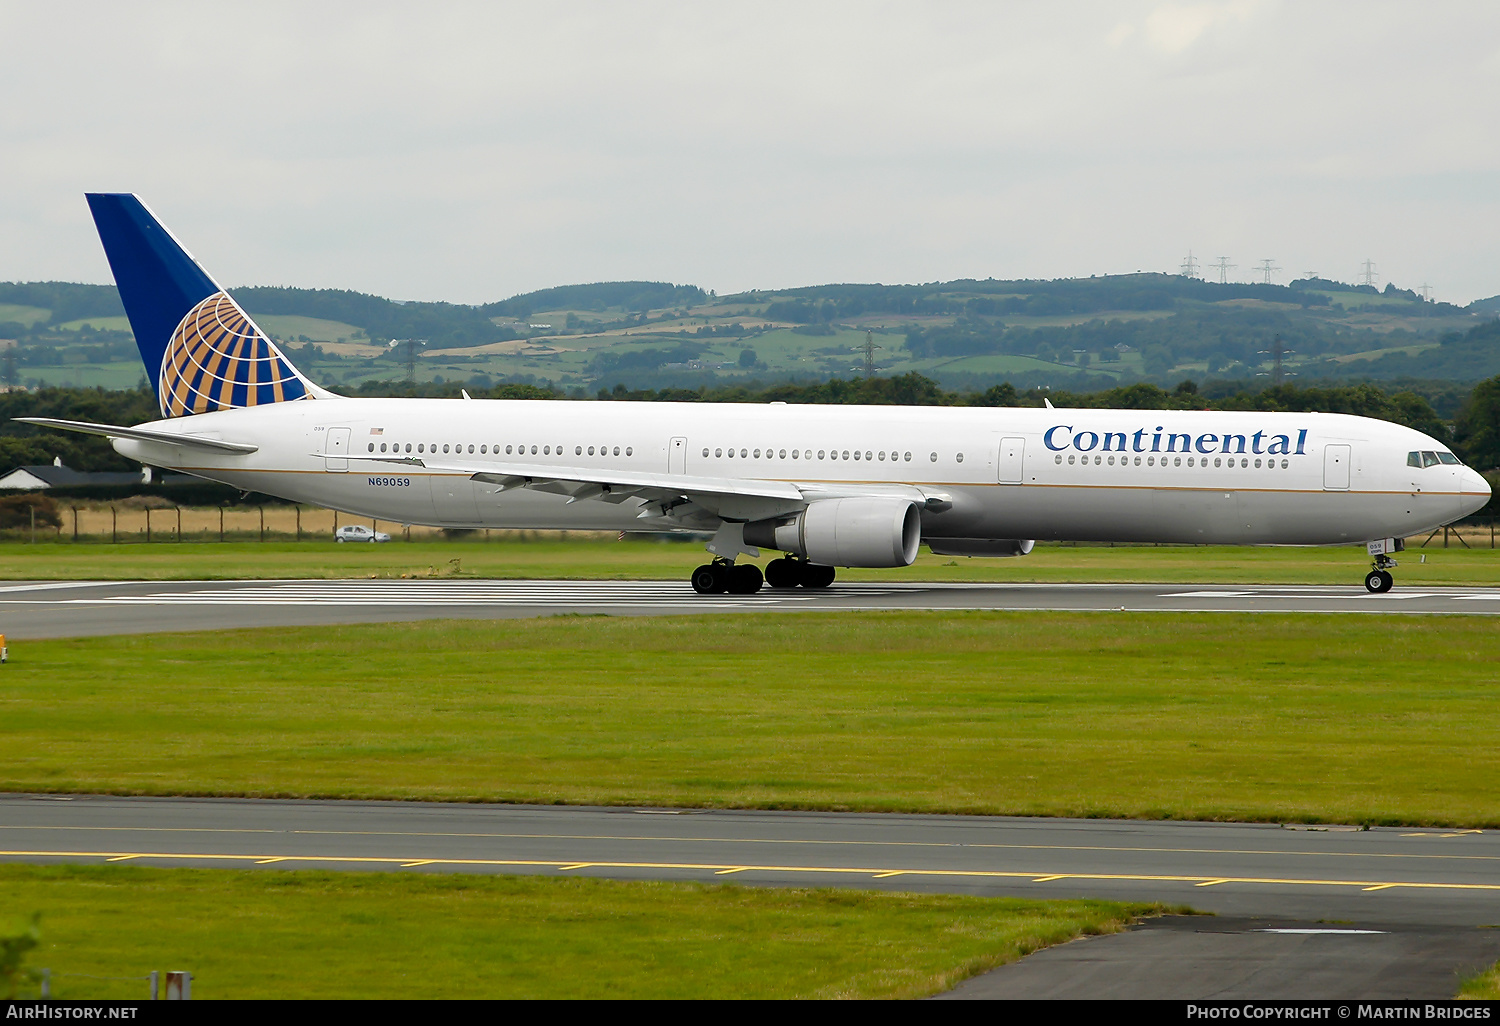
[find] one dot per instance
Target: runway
(65, 609)
(1416, 899)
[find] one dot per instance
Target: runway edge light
(4, 652)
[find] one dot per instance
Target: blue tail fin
(202, 351)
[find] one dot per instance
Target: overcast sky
(468, 152)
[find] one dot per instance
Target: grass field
(1236, 717)
(359, 935)
(509, 555)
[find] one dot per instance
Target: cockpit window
(1413, 459)
(1448, 459)
(1429, 459)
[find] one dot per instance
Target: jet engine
(875, 532)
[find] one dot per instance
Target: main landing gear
(722, 576)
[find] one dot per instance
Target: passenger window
(1111, 461)
(1070, 459)
(757, 454)
(960, 457)
(629, 450)
(1190, 461)
(731, 454)
(372, 446)
(908, 457)
(1216, 461)
(471, 448)
(1177, 461)
(382, 447)
(846, 454)
(718, 453)
(1098, 460)
(533, 450)
(445, 448)
(932, 458)
(882, 456)
(820, 454)
(1150, 461)
(868, 455)
(856, 454)
(783, 454)
(1429, 459)
(1057, 458)
(742, 454)
(408, 447)
(1283, 464)
(1257, 464)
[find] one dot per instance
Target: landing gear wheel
(1378, 582)
(709, 579)
(783, 573)
(815, 576)
(744, 579)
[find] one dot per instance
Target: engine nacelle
(873, 532)
(980, 546)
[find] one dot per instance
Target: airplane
(826, 486)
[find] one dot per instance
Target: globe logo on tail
(218, 359)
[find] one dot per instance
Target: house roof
(52, 476)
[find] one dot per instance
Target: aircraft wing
(143, 434)
(675, 495)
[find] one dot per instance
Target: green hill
(969, 333)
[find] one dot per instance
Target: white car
(360, 533)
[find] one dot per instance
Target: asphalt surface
(63, 609)
(1427, 897)
(1414, 911)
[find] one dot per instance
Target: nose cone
(1474, 492)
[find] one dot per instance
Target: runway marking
(1314, 931)
(718, 868)
(799, 840)
(1208, 594)
(466, 593)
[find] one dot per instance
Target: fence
(122, 523)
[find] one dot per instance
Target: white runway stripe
(454, 593)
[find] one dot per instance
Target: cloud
(467, 151)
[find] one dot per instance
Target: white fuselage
(1002, 473)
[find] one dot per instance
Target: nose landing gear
(1379, 580)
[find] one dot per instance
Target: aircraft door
(1012, 459)
(1336, 468)
(336, 449)
(677, 456)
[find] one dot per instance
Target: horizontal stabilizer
(142, 434)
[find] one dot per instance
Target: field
(1234, 717)
(514, 554)
(364, 936)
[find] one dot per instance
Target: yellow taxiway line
(721, 869)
